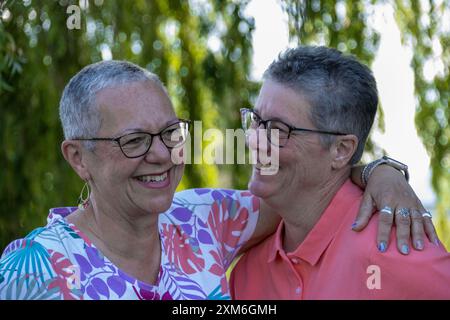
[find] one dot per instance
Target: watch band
(368, 169)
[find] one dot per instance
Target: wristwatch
(368, 169)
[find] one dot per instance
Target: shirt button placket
(298, 290)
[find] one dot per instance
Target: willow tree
(425, 28)
(44, 43)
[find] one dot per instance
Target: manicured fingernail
(436, 242)
(382, 246)
(354, 224)
(419, 244)
(405, 249)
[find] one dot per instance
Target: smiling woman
(120, 128)
(314, 255)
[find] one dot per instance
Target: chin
(261, 189)
(159, 204)
(158, 208)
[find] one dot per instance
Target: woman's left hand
(389, 193)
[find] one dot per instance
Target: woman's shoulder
(201, 201)
(40, 242)
(29, 266)
(215, 207)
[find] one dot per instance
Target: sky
(395, 82)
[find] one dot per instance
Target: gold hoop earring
(83, 199)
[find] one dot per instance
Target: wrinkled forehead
(282, 102)
(143, 105)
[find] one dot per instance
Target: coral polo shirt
(334, 262)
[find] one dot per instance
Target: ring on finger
(387, 210)
(427, 214)
(404, 212)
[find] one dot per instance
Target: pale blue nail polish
(405, 249)
(419, 244)
(354, 224)
(382, 246)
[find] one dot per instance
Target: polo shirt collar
(318, 239)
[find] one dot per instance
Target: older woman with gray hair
(323, 104)
(130, 238)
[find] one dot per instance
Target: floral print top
(200, 236)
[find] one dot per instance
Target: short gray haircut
(342, 92)
(78, 112)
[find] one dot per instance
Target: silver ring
(427, 214)
(386, 209)
(404, 212)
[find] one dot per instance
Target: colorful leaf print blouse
(200, 236)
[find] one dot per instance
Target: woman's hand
(389, 193)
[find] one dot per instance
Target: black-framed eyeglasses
(137, 144)
(251, 120)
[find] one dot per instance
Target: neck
(119, 234)
(130, 242)
(302, 213)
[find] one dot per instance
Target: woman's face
(303, 162)
(139, 185)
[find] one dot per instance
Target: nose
(258, 143)
(158, 152)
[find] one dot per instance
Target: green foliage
(33, 71)
(422, 23)
(344, 25)
(337, 24)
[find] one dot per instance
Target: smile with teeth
(153, 178)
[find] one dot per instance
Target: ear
(75, 155)
(343, 150)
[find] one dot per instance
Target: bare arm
(267, 224)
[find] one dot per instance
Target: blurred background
(211, 55)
